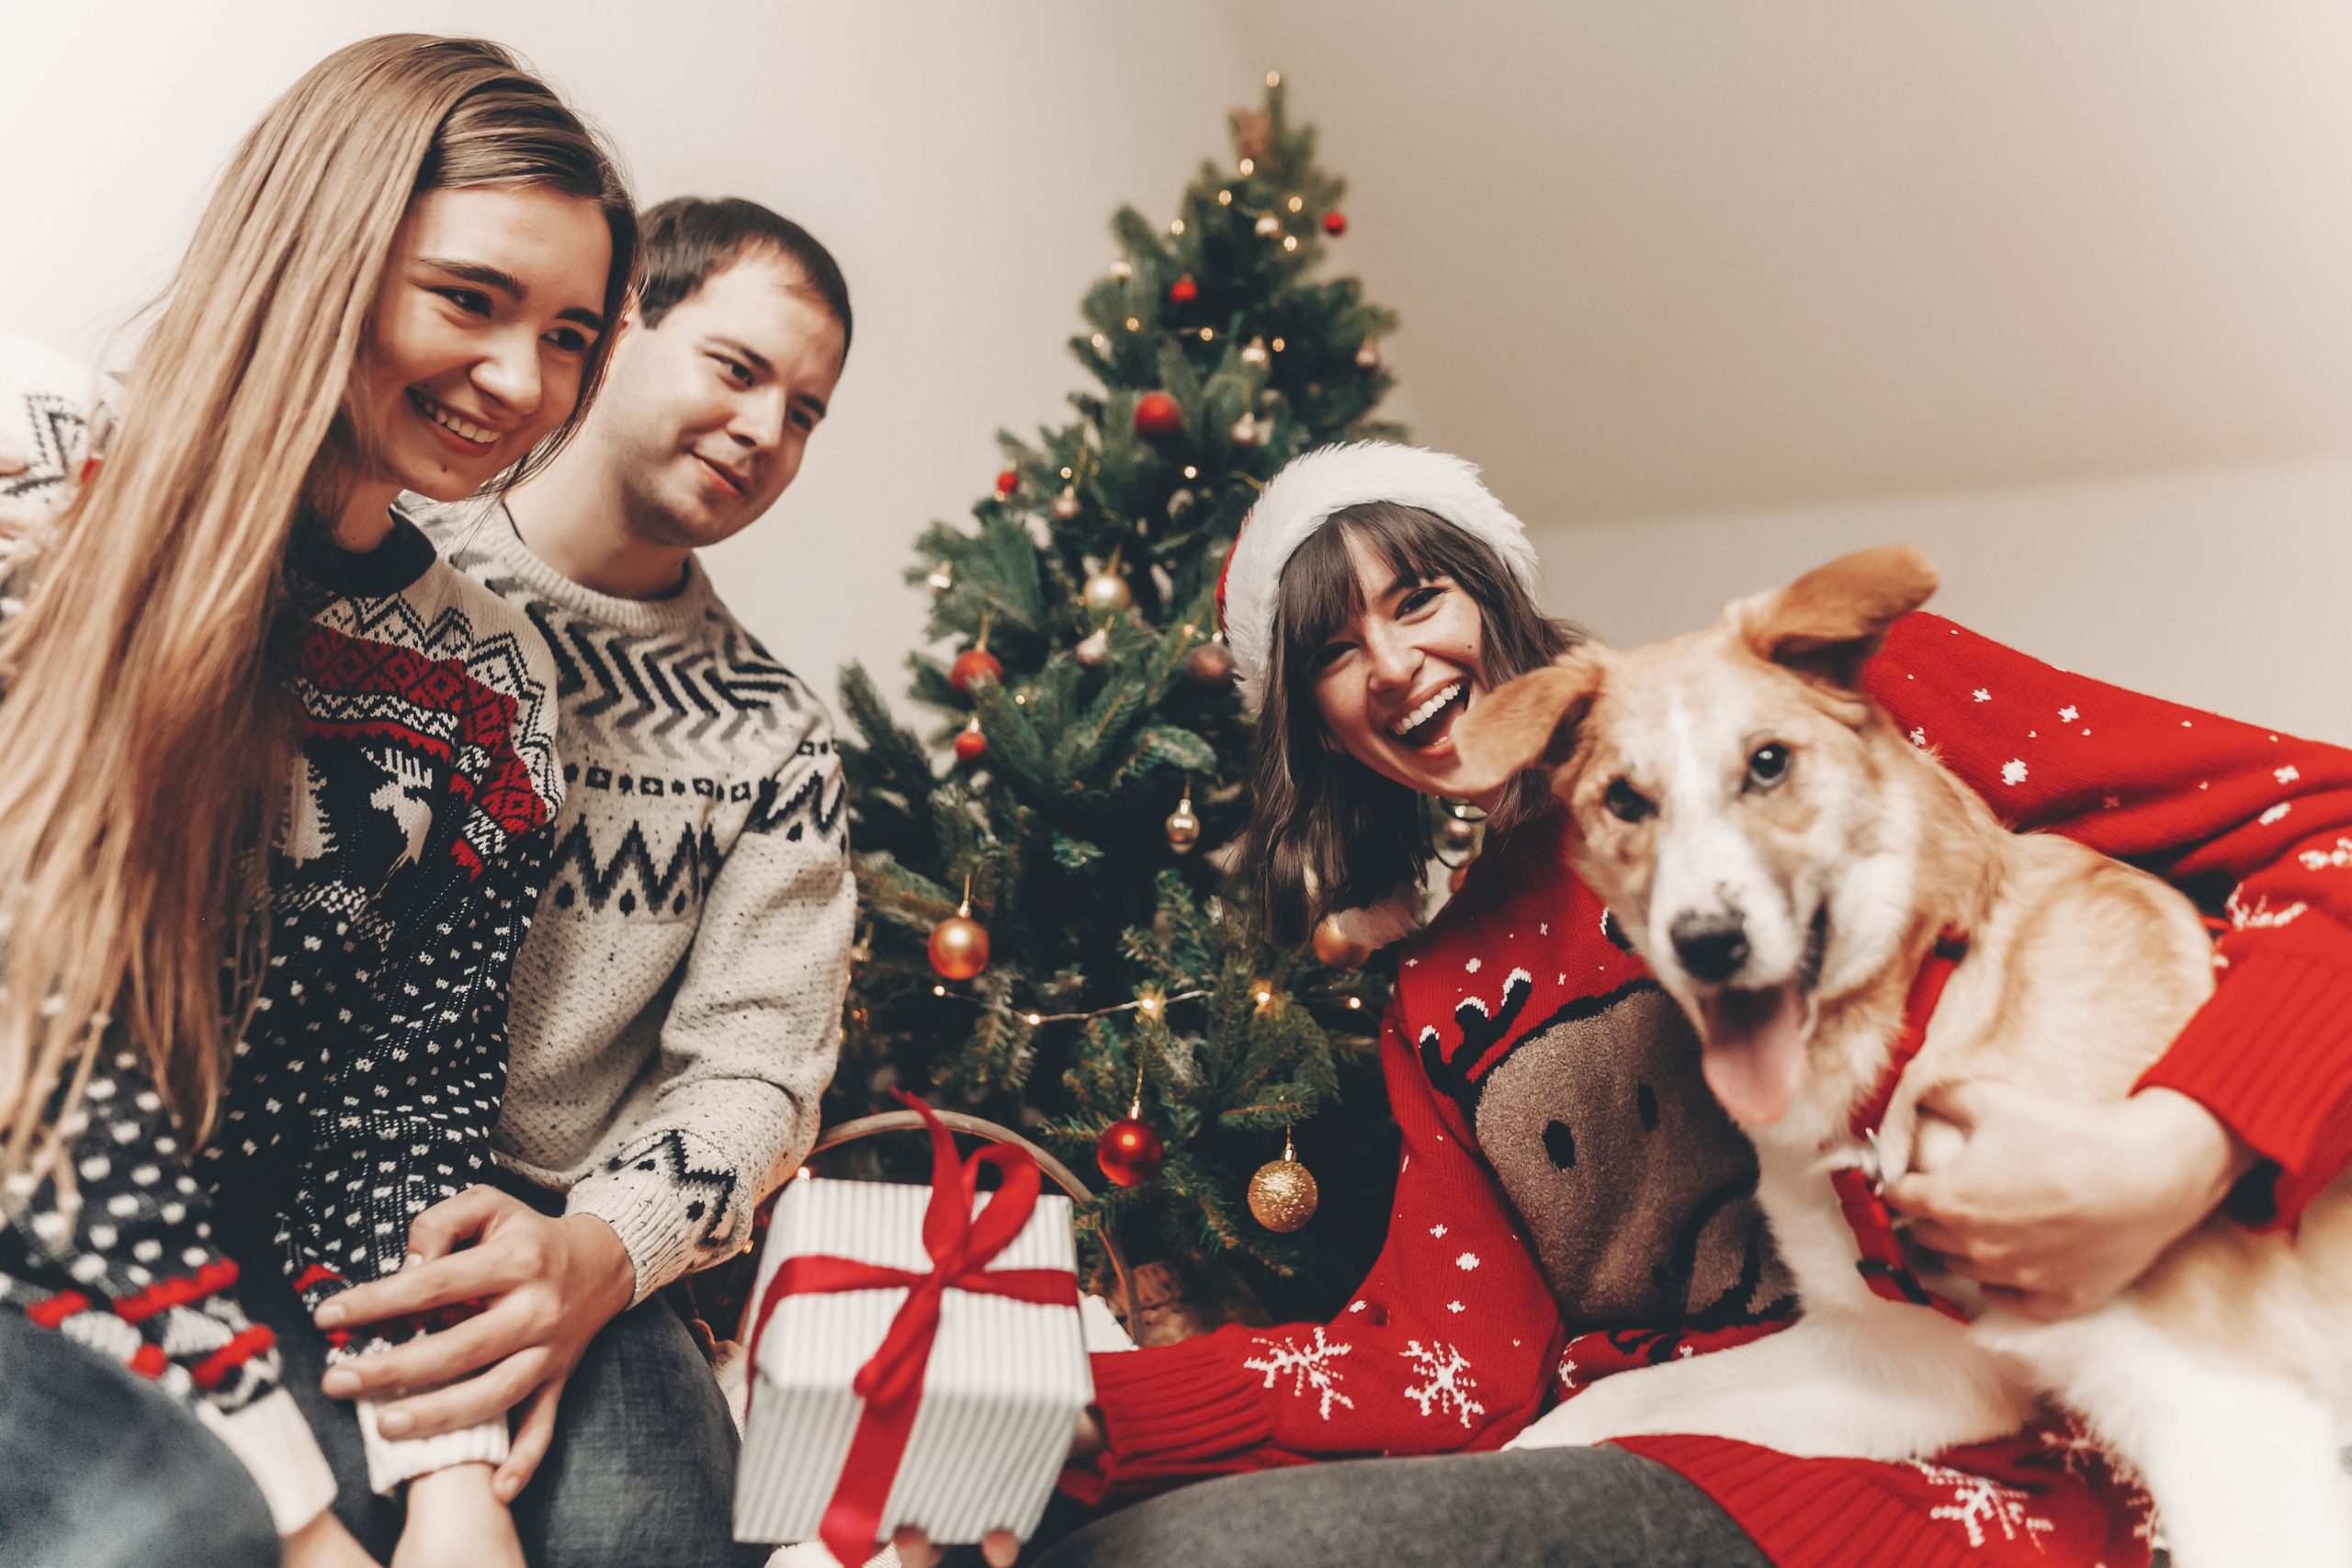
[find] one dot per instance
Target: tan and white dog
(1785, 863)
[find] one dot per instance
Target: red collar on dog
(1883, 1266)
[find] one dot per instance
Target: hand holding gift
(959, 1319)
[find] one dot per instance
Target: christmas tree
(1045, 939)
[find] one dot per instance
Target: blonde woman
(257, 733)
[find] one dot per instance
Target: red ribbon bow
(960, 1244)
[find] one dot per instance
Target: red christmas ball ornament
(1334, 223)
(1129, 1152)
(972, 745)
(1184, 291)
(1007, 482)
(970, 665)
(1157, 413)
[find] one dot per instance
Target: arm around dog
(2249, 821)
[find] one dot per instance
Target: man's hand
(324, 1543)
(455, 1521)
(547, 1286)
(2055, 1207)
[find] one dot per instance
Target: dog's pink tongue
(1754, 1052)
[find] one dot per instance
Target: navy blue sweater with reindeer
(367, 1083)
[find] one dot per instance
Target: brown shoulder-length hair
(1324, 831)
(145, 721)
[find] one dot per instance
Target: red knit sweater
(1457, 1340)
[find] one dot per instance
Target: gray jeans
(100, 1469)
(1542, 1508)
(641, 1474)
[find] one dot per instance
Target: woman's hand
(324, 1543)
(454, 1520)
(998, 1548)
(2055, 1207)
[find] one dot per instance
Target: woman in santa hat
(1571, 1202)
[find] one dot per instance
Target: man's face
(708, 415)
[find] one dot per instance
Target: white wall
(962, 161)
(2228, 588)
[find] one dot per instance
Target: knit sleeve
(2255, 825)
(750, 1035)
(120, 1258)
(1447, 1346)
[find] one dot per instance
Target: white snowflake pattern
(1978, 1501)
(2335, 858)
(2287, 774)
(2013, 771)
(1456, 1306)
(2068, 714)
(1438, 1231)
(1466, 1262)
(2261, 915)
(1982, 696)
(1446, 1384)
(1920, 736)
(2277, 813)
(1474, 966)
(1310, 1369)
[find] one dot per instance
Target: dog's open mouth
(1753, 1053)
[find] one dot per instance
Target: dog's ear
(1529, 722)
(1827, 622)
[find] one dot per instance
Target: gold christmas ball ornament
(1183, 826)
(1368, 356)
(1066, 505)
(959, 945)
(1256, 353)
(1283, 1194)
(1335, 948)
(1094, 648)
(1248, 432)
(1268, 226)
(1105, 593)
(1121, 271)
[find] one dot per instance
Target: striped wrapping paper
(1007, 1379)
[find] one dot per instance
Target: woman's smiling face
(490, 305)
(1390, 683)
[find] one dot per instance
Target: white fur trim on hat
(1302, 498)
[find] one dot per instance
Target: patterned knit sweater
(368, 1084)
(1572, 1203)
(677, 1008)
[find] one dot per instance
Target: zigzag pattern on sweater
(710, 1192)
(670, 699)
(57, 429)
(497, 661)
(677, 883)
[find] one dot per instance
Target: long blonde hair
(145, 722)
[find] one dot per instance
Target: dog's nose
(1712, 947)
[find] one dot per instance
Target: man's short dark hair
(688, 238)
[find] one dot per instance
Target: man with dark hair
(676, 1005)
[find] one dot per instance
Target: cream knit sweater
(677, 1003)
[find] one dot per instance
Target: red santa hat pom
(1302, 497)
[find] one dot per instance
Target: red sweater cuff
(2270, 1054)
(1169, 1412)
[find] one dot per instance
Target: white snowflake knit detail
(1445, 1385)
(1310, 1367)
(1978, 1502)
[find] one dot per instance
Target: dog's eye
(1767, 765)
(1625, 802)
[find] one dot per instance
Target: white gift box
(1001, 1395)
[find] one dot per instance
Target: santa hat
(1302, 497)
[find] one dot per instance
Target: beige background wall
(2059, 288)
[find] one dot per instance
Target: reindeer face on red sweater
(1721, 790)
